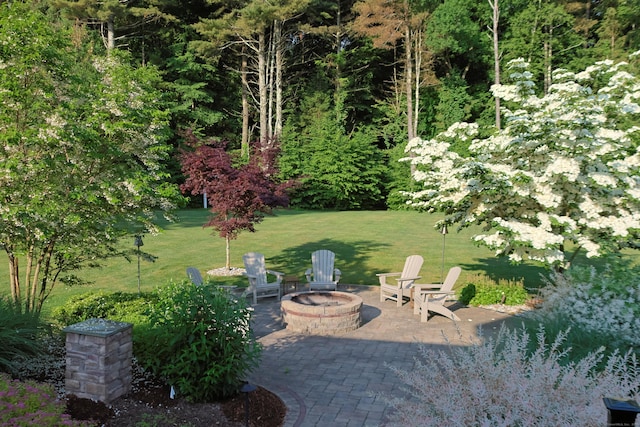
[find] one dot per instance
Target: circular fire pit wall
(321, 312)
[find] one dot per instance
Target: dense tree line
(342, 86)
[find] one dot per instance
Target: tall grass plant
(19, 334)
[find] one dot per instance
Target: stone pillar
(98, 359)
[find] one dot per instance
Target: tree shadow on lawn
(498, 269)
(351, 259)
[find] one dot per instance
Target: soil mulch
(152, 405)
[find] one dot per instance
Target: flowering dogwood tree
(564, 172)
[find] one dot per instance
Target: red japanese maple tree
(240, 194)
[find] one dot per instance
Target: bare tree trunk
(14, 276)
(277, 132)
(111, 37)
(28, 279)
(245, 106)
(408, 67)
(45, 290)
(262, 86)
(408, 84)
(270, 73)
(418, 68)
(496, 55)
(227, 263)
(547, 61)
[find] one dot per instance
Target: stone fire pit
(321, 312)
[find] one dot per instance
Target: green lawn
(365, 243)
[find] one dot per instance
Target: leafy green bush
(31, 404)
(119, 306)
(484, 291)
(200, 341)
(19, 333)
(467, 293)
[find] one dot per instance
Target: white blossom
(563, 168)
(569, 167)
(603, 179)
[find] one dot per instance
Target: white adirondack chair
(257, 272)
(431, 297)
(322, 275)
(401, 288)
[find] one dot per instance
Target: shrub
(19, 334)
(118, 306)
(200, 341)
(484, 291)
(605, 301)
(498, 382)
(578, 340)
(30, 404)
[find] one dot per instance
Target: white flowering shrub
(603, 301)
(564, 169)
(500, 383)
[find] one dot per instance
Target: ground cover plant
(24, 404)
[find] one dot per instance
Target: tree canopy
(564, 170)
(240, 194)
(81, 143)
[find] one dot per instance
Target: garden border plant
(482, 290)
(196, 338)
(200, 341)
(602, 301)
(27, 403)
(19, 334)
(500, 382)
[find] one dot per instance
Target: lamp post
(138, 242)
(444, 233)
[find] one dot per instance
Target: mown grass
(365, 243)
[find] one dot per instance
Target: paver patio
(331, 380)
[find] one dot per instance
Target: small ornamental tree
(81, 153)
(239, 194)
(565, 168)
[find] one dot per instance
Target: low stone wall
(98, 359)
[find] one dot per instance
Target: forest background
(342, 86)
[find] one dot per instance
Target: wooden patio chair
(403, 281)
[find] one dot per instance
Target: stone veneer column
(98, 359)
